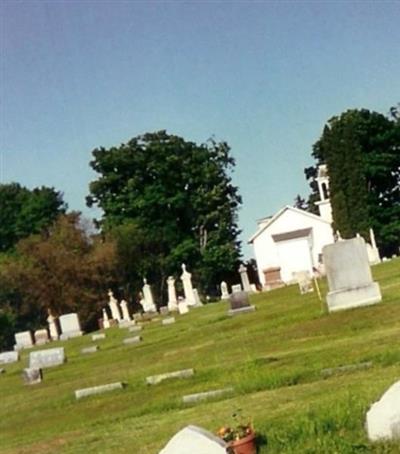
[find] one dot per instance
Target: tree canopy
(177, 197)
(24, 212)
(362, 151)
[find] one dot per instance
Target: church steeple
(324, 204)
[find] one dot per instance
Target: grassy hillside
(272, 358)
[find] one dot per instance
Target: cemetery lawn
(273, 359)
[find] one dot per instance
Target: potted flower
(240, 437)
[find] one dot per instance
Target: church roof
(279, 214)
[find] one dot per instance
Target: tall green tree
(362, 151)
(179, 196)
(24, 212)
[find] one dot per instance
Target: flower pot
(246, 445)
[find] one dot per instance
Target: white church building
(291, 241)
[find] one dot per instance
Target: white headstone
(197, 297)
(9, 357)
(383, 418)
(195, 440)
(186, 278)
(70, 326)
(32, 376)
(183, 308)
(106, 321)
(304, 280)
(172, 301)
(148, 300)
(224, 291)
(46, 358)
(349, 275)
(23, 340)
(114, 307)
(51, 320)
(245, 278)
(236, 288)
(125, 312)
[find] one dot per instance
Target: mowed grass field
(272, 358)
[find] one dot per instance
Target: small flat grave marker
(9, 357)
(190, 398)
(135, 329)
(91, 349)
(84, 392)
(347, 368)
(47, 358)
(155, 379)
(99, 336)
(168, 321)
(132, 340)
(32, 375)
(126, 323)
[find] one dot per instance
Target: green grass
(272, 358)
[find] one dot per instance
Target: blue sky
(264, 76)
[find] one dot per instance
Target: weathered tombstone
(195, 440)
(186, 278)
(224, 291)
(132, 340)
(79, 393)
(156, 379)
(98, 336)
(125, 313)
(106, 320)
(23, 340)
(164, 310)
(41, 336)
(53, 328)
(168, 321)
(239, 303)
(172, 301)
(91, 349)
(114, 307)
(182, 306)
(236, 288)
(191, 398)
(135, 329)
(32, 376)
(148, 301)
(349, 275)
(70, 326)
(9, 357)
(383, 418)
(197, 297)
(46, 358)
(304, 281)
(244, 278)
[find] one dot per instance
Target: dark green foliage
(23, 212)
(362, 151)
(177, 198)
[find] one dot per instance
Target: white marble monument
(106, 320)
(125, 313)
(244, 278)
(148, 300)
(53, 329)
(349, 275)
(114, 307)
(172, 300)
(224, 291)
(186, 278)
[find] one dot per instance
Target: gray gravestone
(168, 321)
(41, 336)
(155, 379)
(349, 275)
(195, 440)
(239, 303)
(135, 329)
(132, 340)
(46, 358)
(32, 376)
(236, 288)
(99, 336)
(9, 357)
(190, 398)
(79, 393)
(70, 326)
(91, 349)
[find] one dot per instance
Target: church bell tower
(324, 203)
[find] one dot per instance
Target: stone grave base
(70, 335)
(241, 310)
(354, 297)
